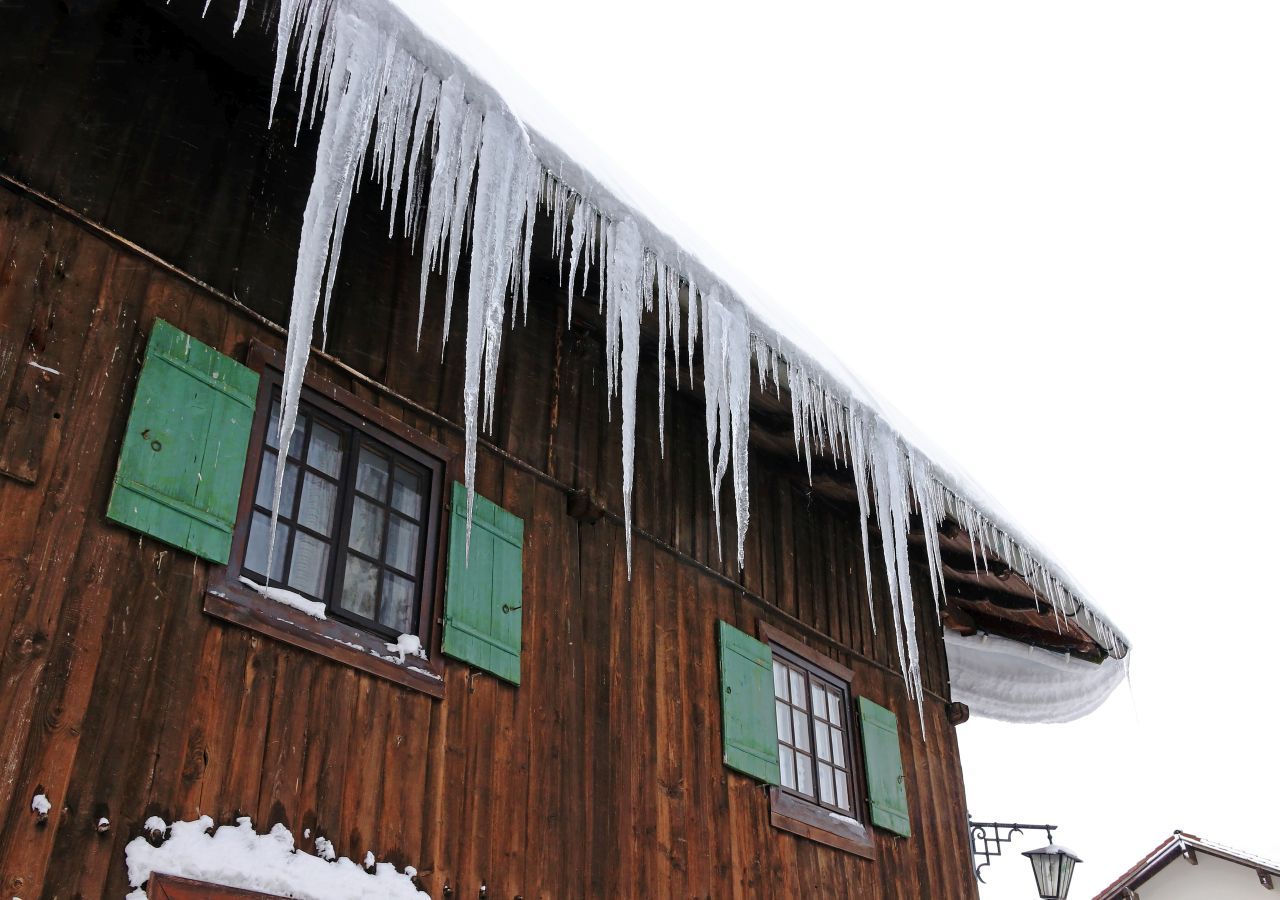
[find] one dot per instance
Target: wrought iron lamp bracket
(989, 833)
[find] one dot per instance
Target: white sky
(1047, 234)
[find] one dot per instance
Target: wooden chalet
(552, 711)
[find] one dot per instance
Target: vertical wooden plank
(596, 554)
(25, 233)
(552, 694)
(512, 718)
(55, 342)
(671, 772)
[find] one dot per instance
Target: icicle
(602, 277)
(894, 519)
(673, 318)
(556, 200)
(395, 121)
(459, 225)
(243, 8)
(343, 138)
(860, 464)
(578, 250)
(660, 276)
(530, 219)
(737, 383)
(286, 28)
(626, 286)
(931, 514)
(692, 319)
(428, 94)
(501, 203)
(801, 403)
(726, 373)
(457, 134)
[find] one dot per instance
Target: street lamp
(1053, 866)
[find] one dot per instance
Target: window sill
(807, 820)
(330, 638)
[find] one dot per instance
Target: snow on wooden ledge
(237, 856)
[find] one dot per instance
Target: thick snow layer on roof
(391, 84)
(1014, 682)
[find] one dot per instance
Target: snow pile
(40, 805)
(237, 856)
(407, 645)
(390, 98)
(1014, 682)
(313, 608)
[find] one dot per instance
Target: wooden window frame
(795, 812)
(229, 599)
(161, 886)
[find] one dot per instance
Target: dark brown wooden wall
(599, 776)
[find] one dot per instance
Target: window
(353, 523)
(358, 540)
(813, 733)
(821, 793)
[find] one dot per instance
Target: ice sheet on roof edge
(379, 85)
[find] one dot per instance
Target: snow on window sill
(286, 619)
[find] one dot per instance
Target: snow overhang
(1003, 679)
(405, 79)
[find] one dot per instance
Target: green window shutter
(886, 785)
(182, 462)
(746, 702)
(482, 614)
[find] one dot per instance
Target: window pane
(309, 566)
(837, 748)
(397, 603)
(318, 500)
(366, 528)
(402, 544)
(842, 790)
(826, 785)
(801, 728)
(360, 587)
(819, 701)
(784, 721)
(797, 690)
(821, 740)
(406, 492)
(371, 474)
(804, 774)
(255, 552)
(787, 763)
(833, 708)
(267, 484)
(273, 428)
(325, 452)
(779, 680)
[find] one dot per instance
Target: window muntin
(813, 734)
(353, 522)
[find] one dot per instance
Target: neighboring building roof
(414, 71)
(1185, 846)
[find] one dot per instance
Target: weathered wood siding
(600, 776)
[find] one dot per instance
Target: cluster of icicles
(375, 94)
